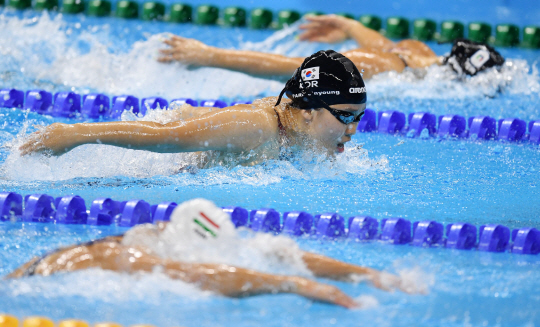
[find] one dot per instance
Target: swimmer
(327, 98)
(197, 228)
(376, 54)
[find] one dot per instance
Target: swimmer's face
(329, 131)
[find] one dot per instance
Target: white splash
(45, 50)
(96, 160)
(367, 301)
(440, 82)
(262, 252)
(415, 280)
(104, 285)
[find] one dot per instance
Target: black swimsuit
(403, 59)
(31, 270)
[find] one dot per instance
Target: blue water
(378, 175)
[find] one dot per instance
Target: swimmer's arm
(188, 112)
(254, 63)
(237, 282)
(19, 272)
(317, 26)
(224, 279)
(196, 53)
(232, 129)
(323, 266)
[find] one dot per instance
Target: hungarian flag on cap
(205, 226)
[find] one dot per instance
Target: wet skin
(239, 129)
(110, 254)
(376, 53)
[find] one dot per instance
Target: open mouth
(340, 147)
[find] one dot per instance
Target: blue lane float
(94, 106)
(494, 238)
(461, 236)
(368, 123)
(391, 122)
(396, 231)
(483, 127)
(182, 101)
(534, 131)
(452, 125)
(421, 121)
(66, 104)
(11, 205)
(427, 233)
(329, 225)
(512, 129)
(297, 223)
(11, 98)
(362, 228)
(239, 215)
(38, 208)
(70, 210)
(39, 101)
(265, 220)
(213, 103)
(153, 103)
(526, 241)
(124, 103)
(103, 211)
(135, 212)
(162, 211)
(234, 103)
(43, 208)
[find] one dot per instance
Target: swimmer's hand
(240, 282)
(326, 28)
(187, 51)
(321, 292)
(54, 139)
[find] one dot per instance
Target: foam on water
(46, 51)
(105, 161)
(55, 55)
(101, 284)
(440, 82)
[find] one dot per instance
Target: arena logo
(357, 90)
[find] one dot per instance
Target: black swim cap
(325, 78)
(468, 57)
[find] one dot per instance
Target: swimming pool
(379, 175)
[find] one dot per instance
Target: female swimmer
(376, 54)
(327, 98)
(193, 237)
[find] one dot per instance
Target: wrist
(352, 26)
(209, 55)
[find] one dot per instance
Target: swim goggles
(345, 117)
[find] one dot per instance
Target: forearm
(252, 62)
(234, 281)
(323, 266)
(366, 37)
(130, 134)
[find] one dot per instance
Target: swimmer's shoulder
(266, 106)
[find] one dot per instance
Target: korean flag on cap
(309, 74)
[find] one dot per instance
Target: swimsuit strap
(402, 59)
(31, 270)
(280, 125)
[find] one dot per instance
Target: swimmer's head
(468, 57)
(325, 78)
(201, 220)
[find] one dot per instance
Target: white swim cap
(200, 219)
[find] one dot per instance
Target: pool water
(379, 175)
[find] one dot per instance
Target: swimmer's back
(56, 260)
